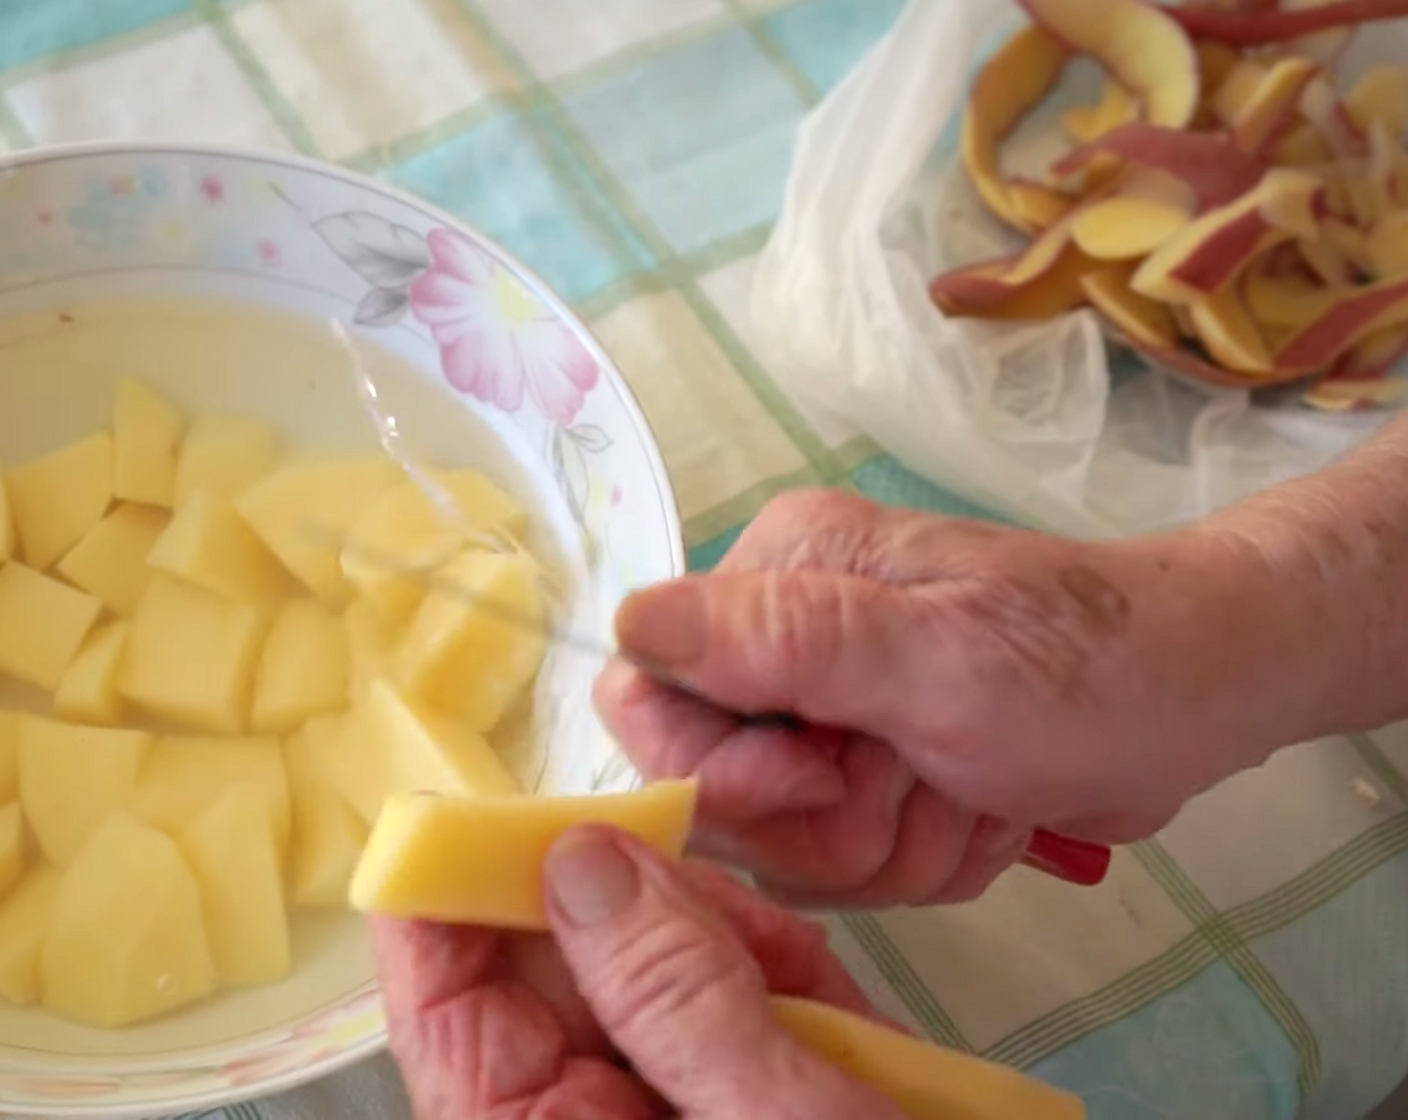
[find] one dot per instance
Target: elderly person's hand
(963, 684)
(650, 1000)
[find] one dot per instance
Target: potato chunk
(328, 836)
(406, 529)
(24, 920)
(231, 850)
(42, 625)
(72, 779)
(479, 860)
(88, 693)
(303, 511)
(58, 498)
(209, 545)
(146, 431)
(126, 939)
(224, 456)
(303, 672)
(191, 656)
(389, 747)
(111, 560)
(184, 775)
(476, 641)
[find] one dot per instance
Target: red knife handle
(1074, 861)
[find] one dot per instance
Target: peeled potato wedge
(479, 861)
(928, 1082)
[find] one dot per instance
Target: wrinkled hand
(649, 1001)
(962, 684)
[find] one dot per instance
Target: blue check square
(825, 38)
(699, 138)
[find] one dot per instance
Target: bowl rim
(11, 163)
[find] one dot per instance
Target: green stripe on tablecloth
(690, 266)
(1276, 909)
(1075, 1020)
(560, 125)
(1185, 893)
(1374, 758)
(905, 982)
(769, 46)
(269, 94)
(1321, 882)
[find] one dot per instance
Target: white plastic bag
(1022, 419)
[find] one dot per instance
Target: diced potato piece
(303, 672)
(926, 1081)
(405, 529)
(11, 846)
(7, 524)
(477, 640)
(184, 776)
(231, 850)
(88, 693)
(191, 656)
(479, 861)
(42, 625)
(73, 779)
(225, 455)
(9, 756)
(328, 836)
(305, 510)
(111, 560)
(146, 431)
(209, 545)
(57, 499)
(371, 640)
(388, 747)
(126, 939)
(24, 919)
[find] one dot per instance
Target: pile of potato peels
(1225, 207)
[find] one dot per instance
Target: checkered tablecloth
(1250, 964)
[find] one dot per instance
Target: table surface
(1248, 964)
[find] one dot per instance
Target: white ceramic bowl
(483, 366)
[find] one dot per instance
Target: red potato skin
(1214, 168)
(1223, 255)
(1260, 28)
(1322, 342)
(1356, 365)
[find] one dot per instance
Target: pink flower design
(268, 251)
(497, 341)
(212, 188)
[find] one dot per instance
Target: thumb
(836, 649)
(678, 993)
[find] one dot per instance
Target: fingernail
(663, 625)
(591, 879)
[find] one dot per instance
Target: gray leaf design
(590, 438)
(383, 254)
(381, 307)
(569, 467)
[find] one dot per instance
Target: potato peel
(1275, 247)
(1012, 83)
